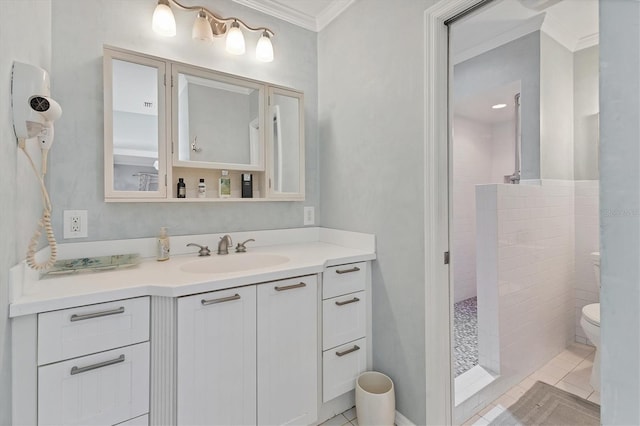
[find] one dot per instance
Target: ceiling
(478, 106)
(313, 15)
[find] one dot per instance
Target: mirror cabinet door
(219, 120)
(286, 143)
(134, 126)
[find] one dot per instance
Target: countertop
(153, 278)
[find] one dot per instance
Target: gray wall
(585, 113)
(556, 110)
(620, 210)
(79, 30)
(371, 120)
(19, 190)
(518, 60)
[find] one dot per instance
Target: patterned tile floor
(348, 418)
(465, 333)
(569, 371)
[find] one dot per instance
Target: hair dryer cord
(43, 223)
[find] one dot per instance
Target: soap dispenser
(163, 245)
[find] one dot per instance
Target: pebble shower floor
(465, 333)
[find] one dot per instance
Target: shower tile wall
(526, 275)
(587, 241)
(482, 153)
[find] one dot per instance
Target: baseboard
(402, 420)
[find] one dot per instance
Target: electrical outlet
(309, 215)
(75, 224)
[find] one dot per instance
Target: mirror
(134, 124)
(165, 120)
(286, 130)
(219, 120)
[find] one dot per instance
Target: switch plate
(309, 215)
(75, 224)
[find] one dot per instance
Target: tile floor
(465, 335)
(569, 371)
(347, 418)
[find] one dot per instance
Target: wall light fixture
(208, 26)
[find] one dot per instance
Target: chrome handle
(290, 287)
(346, 271)
(220, 300)
(78, 370)
(354, 300)
(82, 317)
(348, 351)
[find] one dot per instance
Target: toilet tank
(595, 260)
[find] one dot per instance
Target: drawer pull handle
(348, 351)
(290, 287)
(82, 317)
(346, 271)
(220, 300)
(346, 302)
(78, 370)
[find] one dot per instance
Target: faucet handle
(240, 248)
(204, 250)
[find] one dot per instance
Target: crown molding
(278, 10)
(588, 41)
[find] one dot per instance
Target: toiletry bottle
(224, 188)
(202, 189)
(163, 245)
(182, 189)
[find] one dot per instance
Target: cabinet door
(287, 352)
(217, 358)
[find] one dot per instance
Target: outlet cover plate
(75, 224)
(309, 215)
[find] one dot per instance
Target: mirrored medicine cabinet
(165, 120)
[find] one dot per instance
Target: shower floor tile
(465, 325)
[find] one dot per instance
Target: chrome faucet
(240, 248)
(204, 250)
(223, 245)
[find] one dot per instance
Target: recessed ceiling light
(499, 106)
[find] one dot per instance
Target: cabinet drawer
(344, 318)
(340, 368)
(105, 388)
(74, 332)
(343, 279)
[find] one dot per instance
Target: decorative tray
(93, 264)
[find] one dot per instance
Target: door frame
(438, 292)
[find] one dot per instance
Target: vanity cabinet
(93, 364)
(217, 358)
(248, 355)
(344, 328)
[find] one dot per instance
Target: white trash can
(375, 399)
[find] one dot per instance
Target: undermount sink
(233, 263)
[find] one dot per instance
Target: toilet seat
(591, 313)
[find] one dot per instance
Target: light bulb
(264, 48)
(235, 40)
(163, 21)
(201, 28)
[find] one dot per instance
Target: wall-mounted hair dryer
(33, 115)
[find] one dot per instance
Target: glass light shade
(201, 28)
(264, 48)
(163, 21)
(235, 40)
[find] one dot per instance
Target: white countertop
(167, 279)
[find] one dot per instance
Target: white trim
(296, 17)
(402, 420)
(439, 380)
(588, 41)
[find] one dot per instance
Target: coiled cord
(45, 220)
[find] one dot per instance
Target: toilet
(590, 323)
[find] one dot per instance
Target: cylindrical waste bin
(375, 399)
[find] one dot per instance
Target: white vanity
(173, 343)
